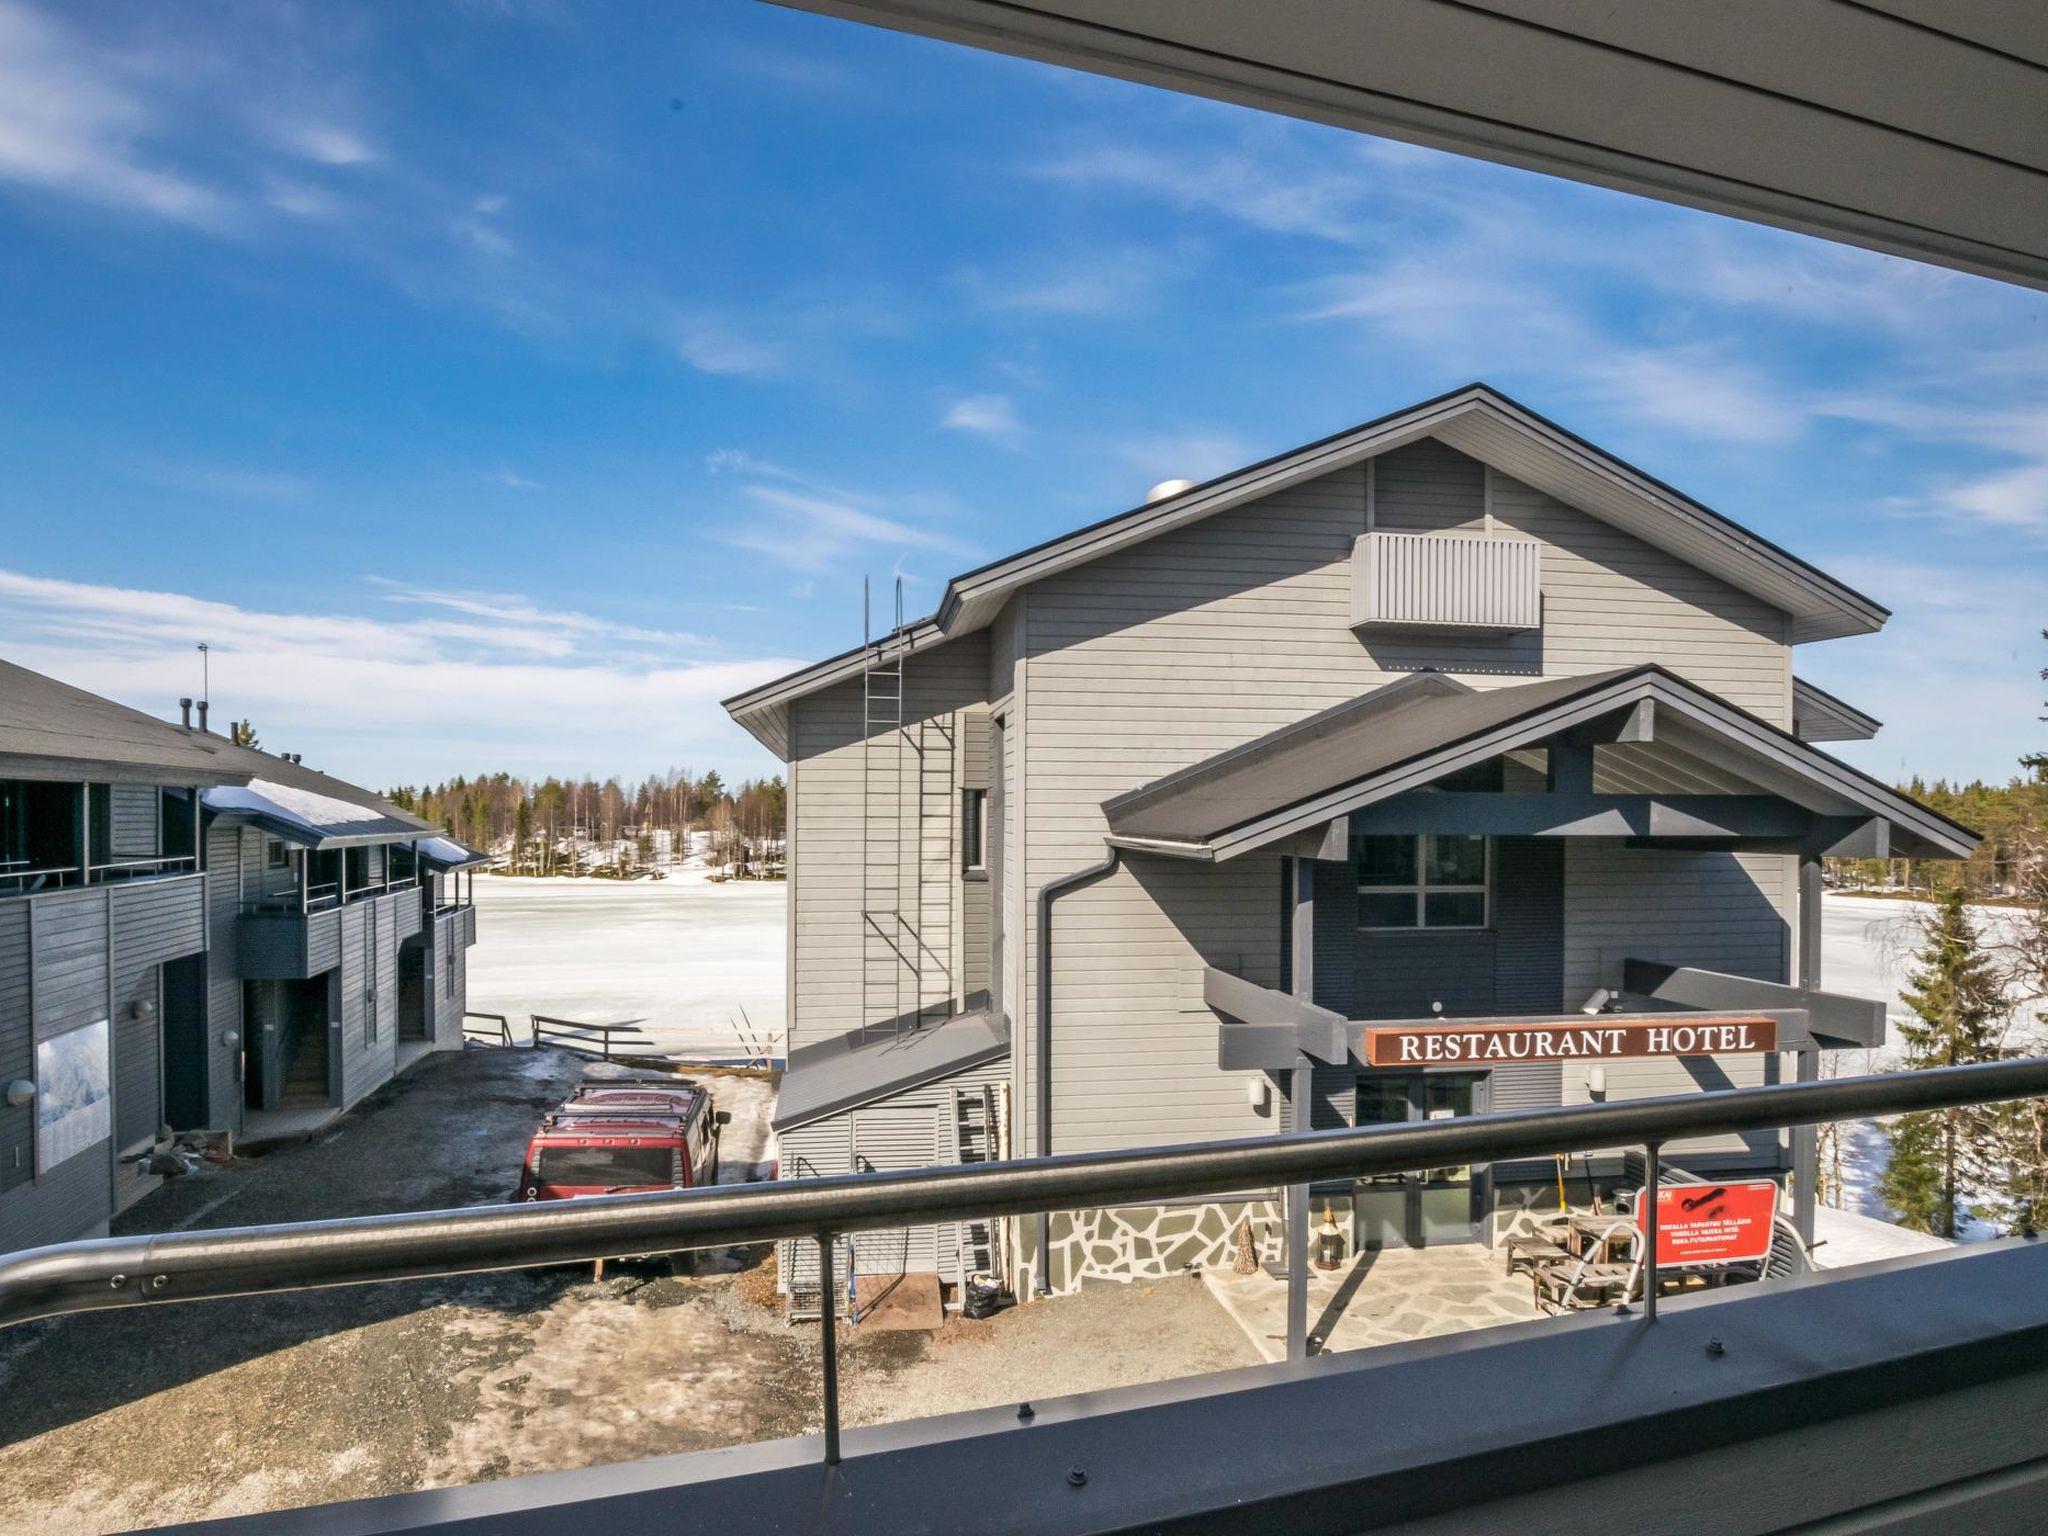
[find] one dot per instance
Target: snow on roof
(447, 853)
(306, 815)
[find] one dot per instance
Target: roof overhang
(443, 852)
(1818, 715)
(249, 803)
(1373, 763)
(1905, 126)
(1476, 420)
(837, 1075)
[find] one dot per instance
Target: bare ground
(126, 1419)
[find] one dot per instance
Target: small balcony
(1446, 581)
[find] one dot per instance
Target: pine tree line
(531, 820)
(1976, 998)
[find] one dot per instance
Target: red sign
(1714, 1223)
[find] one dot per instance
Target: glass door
(1433, 1205)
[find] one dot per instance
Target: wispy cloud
(993, 417)
(232, 482)
(408, 696)
(1193, 456)
(1092, 283)
(711, 344)
(326, 143)
(72, 123)
(808, 526)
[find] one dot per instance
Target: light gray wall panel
(135, 826)
(224, 885)
(17, 1052)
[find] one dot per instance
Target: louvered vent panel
(1446, 581)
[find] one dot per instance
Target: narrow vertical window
(974, 831)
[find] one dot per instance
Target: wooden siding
(17, 1048)
(921, 847)
(1152, 658)
(225, 877)
(1720, 911)
(912, 1130)
(134, 822)
(151, 922)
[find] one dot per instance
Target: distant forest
(498, 813)
(2013, 818)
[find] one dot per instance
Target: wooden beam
(1564, 813)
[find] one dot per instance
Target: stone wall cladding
(1152, 1242)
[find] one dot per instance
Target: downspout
(1043, 1014)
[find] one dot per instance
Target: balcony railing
(192, 1266)
(19, 877)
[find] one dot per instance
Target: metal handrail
(103, 1273)
(184, 1266)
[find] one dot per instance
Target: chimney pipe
(202, 714)
(185, 709)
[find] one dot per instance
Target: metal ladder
(888, 949)
(980, 1135)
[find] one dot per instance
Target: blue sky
(501, 384)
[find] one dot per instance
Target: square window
(1455, 909)
(1386, 909)
(1384, 860)
(1457, 861)
(275, 854)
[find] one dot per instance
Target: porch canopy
(1637, 753)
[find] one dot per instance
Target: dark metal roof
(1411, 733)
(50, 730)
(1421, 713)
(841, 1074)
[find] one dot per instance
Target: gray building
(1239, 810)
(195, 936)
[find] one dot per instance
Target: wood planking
(134, 823)
(1719, 911)
(1150, 659)
(911, 1130)
(17, 1047)
(827, 931)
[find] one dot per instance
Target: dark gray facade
(164, 964)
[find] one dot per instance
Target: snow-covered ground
(680, 957)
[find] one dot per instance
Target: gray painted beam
(1302, 939)
(1577, 813)
(1832, 1016)
(1806, 1138)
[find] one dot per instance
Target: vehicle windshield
(606, 1167)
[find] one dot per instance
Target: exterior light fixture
(20, 1092)
(1596, 1083)
(1258, 1093)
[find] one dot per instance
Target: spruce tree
(1938, 1156)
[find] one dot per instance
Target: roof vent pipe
(185, 709)
(1167, 488)
(202, 714)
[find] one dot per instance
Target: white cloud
(991, 416)
(807, 526)
(510, 683)
(713, 345)
(1095, 283)
(70, 124)
(326, 144)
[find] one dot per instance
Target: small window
(1421, 882)
(974, 831)
(275, 854)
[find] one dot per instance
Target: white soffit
(1918, 127)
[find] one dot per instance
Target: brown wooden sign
(1602, 1037)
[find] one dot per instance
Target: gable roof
(1476, 420)
(50, 730)
(846, 1072)
(1411, 734)
(1818, 715)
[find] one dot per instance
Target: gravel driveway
(126, 1419)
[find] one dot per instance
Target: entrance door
(1434, 1205)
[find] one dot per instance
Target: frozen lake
(680, 957)
(683, 956)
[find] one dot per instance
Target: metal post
(828, 1341)
(1652, 1172)
(1806, 1138)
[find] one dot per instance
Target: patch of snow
(310, 809)
(679, 958)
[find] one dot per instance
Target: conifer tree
(1939, 1156)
